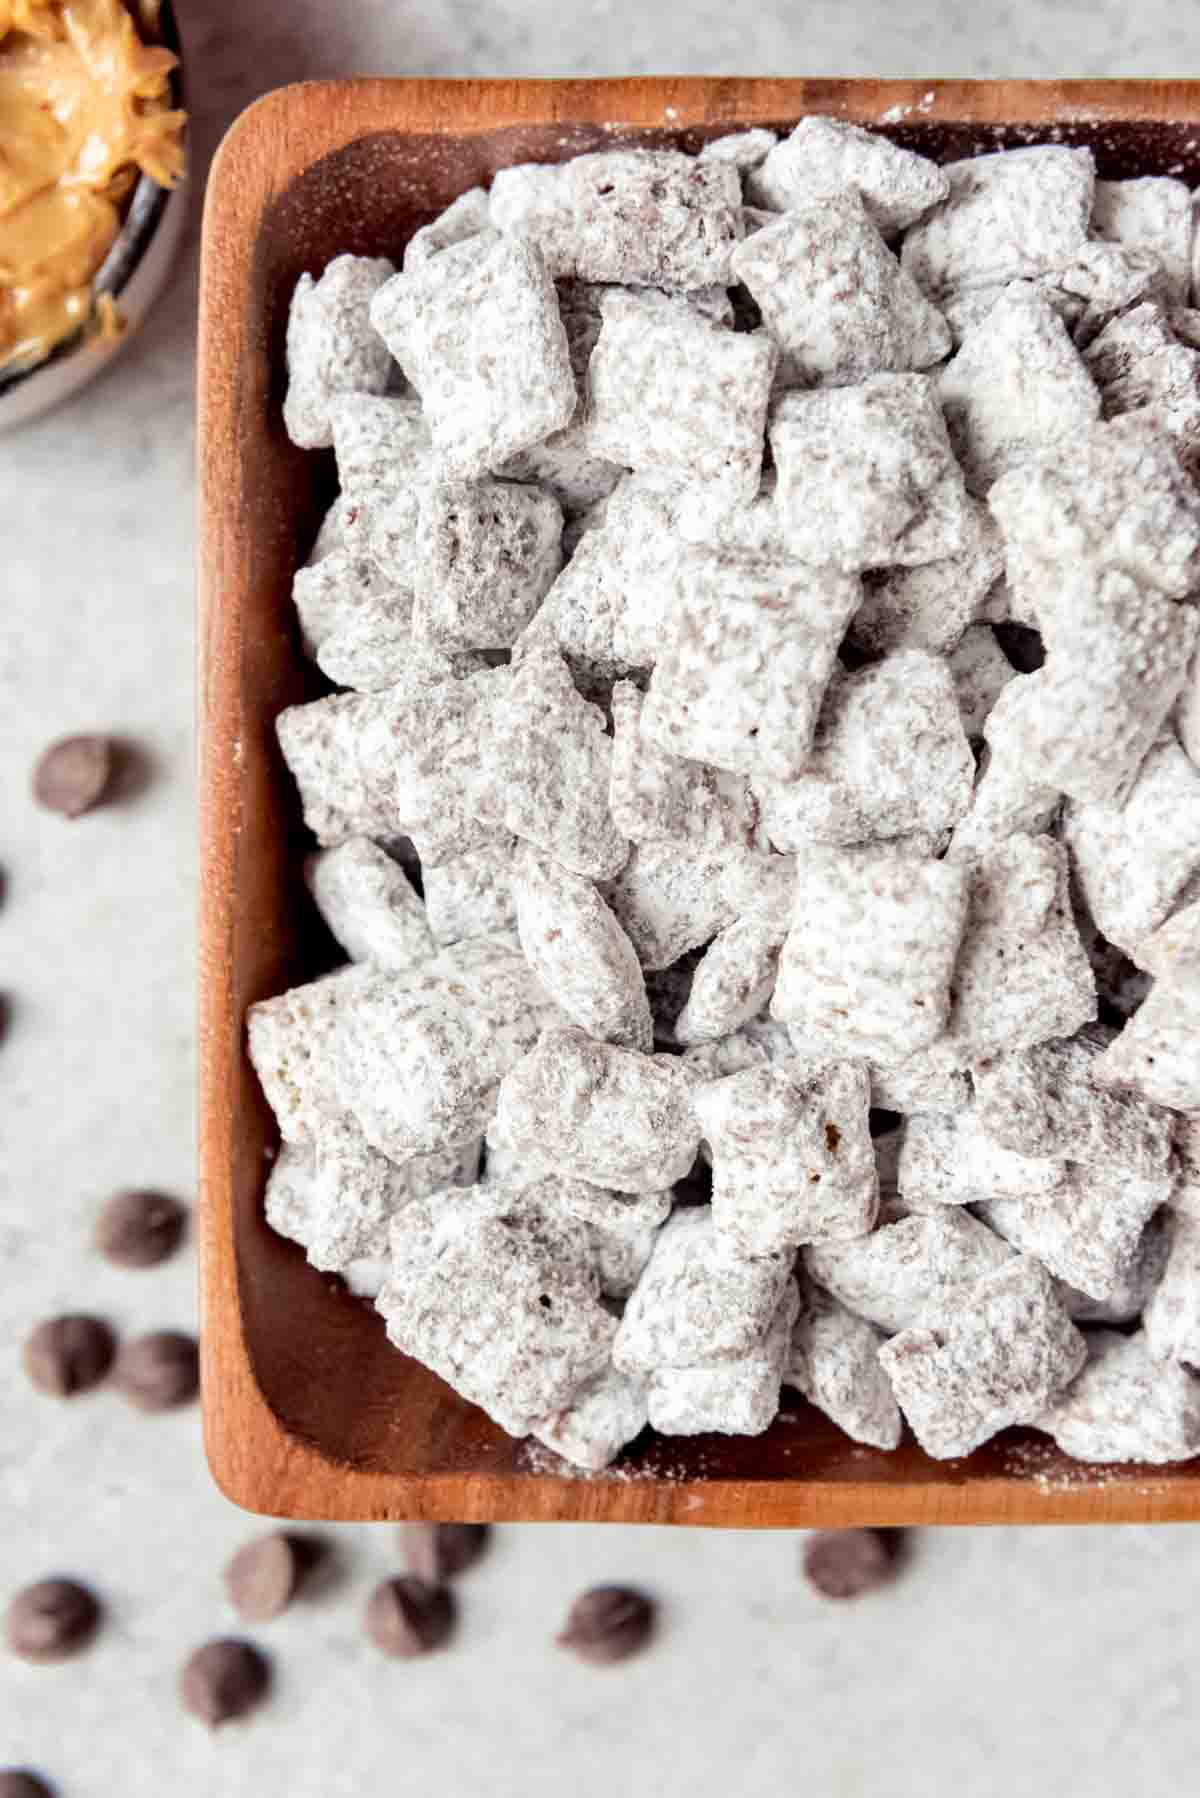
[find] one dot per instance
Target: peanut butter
(84, 108)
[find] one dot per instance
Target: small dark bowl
(135, 271)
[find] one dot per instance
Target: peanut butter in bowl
(85, 109)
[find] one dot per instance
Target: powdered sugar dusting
(626, 449)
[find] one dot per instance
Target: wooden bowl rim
(255, 1459)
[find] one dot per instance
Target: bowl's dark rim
(145, 213)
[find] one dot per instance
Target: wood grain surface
(308, 1411)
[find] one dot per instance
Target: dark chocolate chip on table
(223, 1679)
(19, 1782)
(71, 776)
(316, 1561)
(69, 1354)
(406, 1617)
(849, 1563)
(159, 1371)
(139, 1229)
(439, 1551)
(51, 1620)
(608, 1624)
(263, 1576)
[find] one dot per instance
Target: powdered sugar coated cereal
(1016, 385)
(470, 895)
(998, 1353)
(1150, 213)
(1118, 657)
(1143, 371)
(734, 1397)
(674, 730)
(744, 661)
(792, 1155)
(658, 797)
(890, 756)
(931, 606)
(670, 898)
(951, 1160)
(331, 347)
(1007, 216)
(609, 605)
(626, 215)
(464, 218)
(471, 1277)
(1119, 500)
(1172, 1317)
(291, 1041)
(907, 1265)
(338, 1199)
(1044, 1101)
(420, 1054)
(866, 474)
(1022, 974)
(602, 1417)
(478, 333)
(867, 964)
(835, 299)
(486, 555)
(698, 1302)
(579, 952)
(827, 156)
(599, 1113)
(672, 394)
(1132, 860)
(744, 149)
(369, 904)
(548, 747)
(338, 590)
(1157, 1054)
(1089, 1233)
(734, 981)
(1126, 1406)
(834, 1361)
(980, 671)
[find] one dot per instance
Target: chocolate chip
(262, 1578)
(69, 1354)
(52, 1620)
(316, 1561)
(18, 1782)
(222, 1680)
(848, 1563)
(139, 1229)
(159, 1371)
(71, 776)
(406, 1617)
(437, 1552)
(608, 1624)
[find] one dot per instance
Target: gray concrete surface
(1007, 1664)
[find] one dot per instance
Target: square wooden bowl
(308, 1411)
